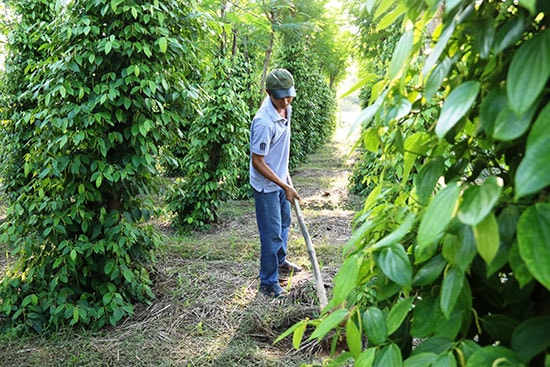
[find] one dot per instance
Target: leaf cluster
(448, 263)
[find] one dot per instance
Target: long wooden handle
(321, 293)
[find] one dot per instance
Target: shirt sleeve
(260, 138)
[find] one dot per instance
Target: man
(269, 156)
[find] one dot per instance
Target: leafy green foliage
(326, 38)
(216, 163)
(106, 94)
(453, 245)
(26, 38)
(212, 155)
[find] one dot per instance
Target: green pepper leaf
(389, 356)
(394, 262)
(529, 72)
(346, 279)
(456, 105)
(436, 78)
(445, 359)
(420, 360)
(329, 323)
(491, 106)
(478, 201)
(163, 44)
(532, 173)
(397, 235)
(353, 338)
(371, 140)
(487, 238)
(531, 337)
(398, 313)
(427, 178)
(366, 358)
(374, 324)
(534, 241)
(509, 125)
(401, 54)
(460, 250)
(428, 273)
(434, 222)
(298, 334)
(487, 356)
(416, 145)
(521, 273)
(450, 289)
(508, 34)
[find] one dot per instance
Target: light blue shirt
(270, 138)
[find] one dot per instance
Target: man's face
(281, 103)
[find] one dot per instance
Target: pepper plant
(449, 263)
(216, 158)
(107, 95)
(29, 31)
(212, 155)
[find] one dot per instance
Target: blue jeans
(273, 217)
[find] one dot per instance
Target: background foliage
(449, 263)
(248, 40)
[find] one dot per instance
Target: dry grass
(208, 311)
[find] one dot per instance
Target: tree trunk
(267, 59)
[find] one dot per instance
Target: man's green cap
(280, 84)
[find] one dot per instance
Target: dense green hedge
(314, 108)
(105, 93)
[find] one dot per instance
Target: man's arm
(259, 165)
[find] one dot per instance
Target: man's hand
(292, 194)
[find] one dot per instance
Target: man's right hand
(292, 194)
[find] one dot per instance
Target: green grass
(208, 311)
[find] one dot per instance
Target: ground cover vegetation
(449, 261)
(102, 102)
